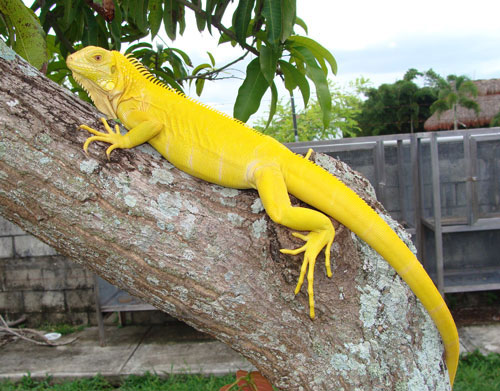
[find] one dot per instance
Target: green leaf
(224, 38)
(250, 92)
(3, 25)
(169, 19)
(139, 11)
(209, 11)
(168, 79)
(137, 46)
(102, 33)
(274, 101)
(155, 16)
(29, 38)
(316, 74)
(184, 56)
(200, 68)
(199, 86)
(90, 33)
(180, 17)
(200, 19)
(302, 24)
(177, 64)
(212, 59)
(116, 26)
(288, 76)
(294, 78)
(221, 8)
(268, 60)
(288, 15)
(316, 49)
(272, 14)
(70, 8)
(56, 66)
(241, 19)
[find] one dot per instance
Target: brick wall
(37, 282)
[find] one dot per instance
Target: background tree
(346, 105)
(453, 92)
(401, 107)
(495, 121)
(264, 29)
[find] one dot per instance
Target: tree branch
(205, 254)
(106, 9)
(208, 75)
(218, 25)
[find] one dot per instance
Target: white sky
(379, 40)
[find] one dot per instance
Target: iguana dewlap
(219, 149)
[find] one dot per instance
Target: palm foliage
(453, 92)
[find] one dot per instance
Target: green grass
(62, 328)
(478, 373)
(151, 382)
(475, 373)
(96, 383)
(147, 382)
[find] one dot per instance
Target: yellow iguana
(217, 148)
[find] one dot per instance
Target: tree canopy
(346, 105)
(48, 30)
(401, 107)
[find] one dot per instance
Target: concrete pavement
(167, 349)
(129, 350)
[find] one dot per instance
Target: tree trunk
(455, 121)
(206, 254)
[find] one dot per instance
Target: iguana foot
(112, 137)
(315, 242)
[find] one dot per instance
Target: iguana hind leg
(274, 195)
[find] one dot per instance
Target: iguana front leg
(138, 135)
(273, 192)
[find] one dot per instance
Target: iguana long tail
(316, 187)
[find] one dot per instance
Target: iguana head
(95, 70)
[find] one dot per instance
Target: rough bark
(206, 254)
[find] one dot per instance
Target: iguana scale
(217, 148)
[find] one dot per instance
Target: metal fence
(444, 187)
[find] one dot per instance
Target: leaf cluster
(262, 28)
(270, 25)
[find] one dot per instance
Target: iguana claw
(315, 242)
(112, 137)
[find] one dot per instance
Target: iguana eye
(98, 57)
